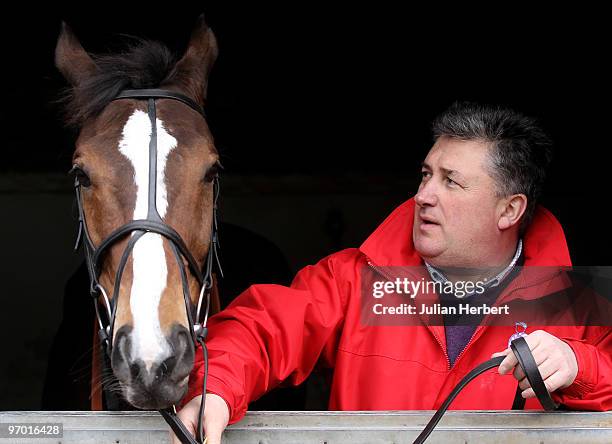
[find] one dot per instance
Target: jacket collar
(391, 243)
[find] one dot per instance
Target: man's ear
(195, 65)
(511, 211)
(71, 59)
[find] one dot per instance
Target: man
(475, 209)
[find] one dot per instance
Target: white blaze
(150, 271)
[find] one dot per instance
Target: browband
(142, 94)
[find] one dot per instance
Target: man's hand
(216, 417)
(555, 359)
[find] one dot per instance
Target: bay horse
(146, 181)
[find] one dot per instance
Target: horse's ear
(71, 59)
(195, 65)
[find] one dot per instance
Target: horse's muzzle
(154, 385)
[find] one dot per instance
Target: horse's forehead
(186, 125)
(101, 139)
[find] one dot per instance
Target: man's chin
(428, 249)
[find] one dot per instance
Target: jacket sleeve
(592, 388)
(270, 334)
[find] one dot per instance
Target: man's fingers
(212, 440)
(518, 373)
(542, 362)
(214, 430)
(555, 360)
(533, 341)
(546, 370)
(175, 440)
(507, 364)
(540, 354)
(188, 424)
(501, 353)
(191, 430)
(555, 381)
(552, 383)
(216, 418)
(213, 436)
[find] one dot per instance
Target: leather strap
(525, 358)
(173, 420)
(160, 94)
(178, 427)
(153, 227)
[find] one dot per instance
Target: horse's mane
(143, 64)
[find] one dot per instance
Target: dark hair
(143, 64)
(520, 151)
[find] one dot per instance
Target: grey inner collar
(438, 276)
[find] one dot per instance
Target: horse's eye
(80, 176)
(213, 171)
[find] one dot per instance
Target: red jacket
(271, 334)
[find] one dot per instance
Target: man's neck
(486, 274)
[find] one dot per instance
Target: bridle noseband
(197, 315)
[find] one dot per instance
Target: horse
(145, 170)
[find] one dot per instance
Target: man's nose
(427, 194)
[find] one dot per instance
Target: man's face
(455, 220)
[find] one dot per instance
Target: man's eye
(80, 176)
(450, 181)
(425, 174)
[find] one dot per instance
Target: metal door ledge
(372, 427)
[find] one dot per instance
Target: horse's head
(152, 348)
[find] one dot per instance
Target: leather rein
(521, 350)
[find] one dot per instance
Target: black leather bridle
(197, 315)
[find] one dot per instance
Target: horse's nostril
(134, 370)
(162, 370)
(166, 366)
(182, 341)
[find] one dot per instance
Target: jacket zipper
(391, 278)
(478, 329)
(380, 271)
